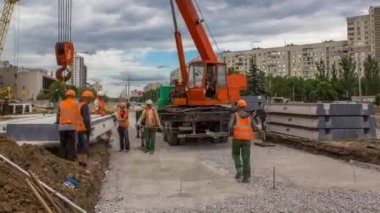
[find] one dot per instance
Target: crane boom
(196, 29)
(5, 21)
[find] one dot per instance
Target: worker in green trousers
(241, 128)
(151, 124)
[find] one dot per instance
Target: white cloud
(122, 32)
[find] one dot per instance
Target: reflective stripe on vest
(242, 128)
(154, 121)
(80, 127)
(68, 112)
(122, 121)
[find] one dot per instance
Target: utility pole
(360, 85)
(129, 89)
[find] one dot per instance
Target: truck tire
(172, 138)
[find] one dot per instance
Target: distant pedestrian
(84, 128)
(67, 118)
(151, 124)
(122, 117)
(241, 127)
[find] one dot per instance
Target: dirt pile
(16, 197)
(364, 151)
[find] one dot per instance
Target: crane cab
(207, 84)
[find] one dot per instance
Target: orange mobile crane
(198, 104)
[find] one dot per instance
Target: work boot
(245, 180)
(237, 176)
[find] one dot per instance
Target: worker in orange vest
(241, 127)
(84, 128)
(100, 104)
(152, 123)
(122, 117)
(68, 119)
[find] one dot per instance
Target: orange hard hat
(242, 103)
(87, 94)
(70, 92)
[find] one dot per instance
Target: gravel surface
(263, 198)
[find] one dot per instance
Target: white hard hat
(100, 93)
(149, 102)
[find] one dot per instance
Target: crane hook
(63, 74)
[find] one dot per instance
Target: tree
(57, 90)
(334, 72)
(256, 82)
(371, 76)
(348, 78)
(151, 94)
(322, 73)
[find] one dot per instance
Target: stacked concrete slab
(319, 121)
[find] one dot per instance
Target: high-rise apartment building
(363, 36)
(290, 60)
(79, 77)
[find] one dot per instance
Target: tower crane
(5, 21)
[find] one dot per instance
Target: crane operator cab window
(196, 75)
(210, 81)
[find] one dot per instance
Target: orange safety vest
(101, 108)
(68, 112)
(80, 127)
(123, 122)
(243, 129)
(155, 119)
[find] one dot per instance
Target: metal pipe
(44, 185)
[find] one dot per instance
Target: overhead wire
(207, 26)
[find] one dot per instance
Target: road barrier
(322, 121)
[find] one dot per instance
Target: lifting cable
(64, 20)
(64, 48)
(208, 28)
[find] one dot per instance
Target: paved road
(201, 174)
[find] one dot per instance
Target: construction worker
(100, 104)
(68, 118)
(241, 128)
(152, 123)
(122, 117)
(84, 128)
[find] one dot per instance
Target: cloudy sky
(135, 37)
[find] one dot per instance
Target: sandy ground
(199, 177)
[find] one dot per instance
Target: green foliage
(42, 96)
(322, 73)
(231, 71)
(377, 101)
(340, 83)
(151, 94)
(371, 78)
(348, 79)
(57, 91)
(256, 82)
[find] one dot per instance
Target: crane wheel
(63, 74)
